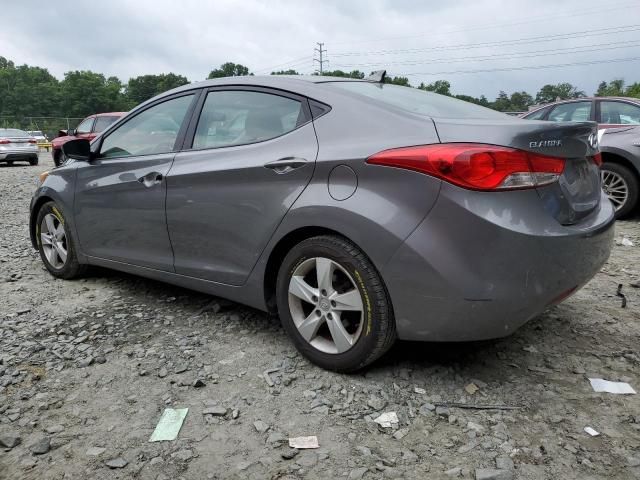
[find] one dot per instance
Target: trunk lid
(577, 193)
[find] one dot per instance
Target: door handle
(286, 164)
(151, 179)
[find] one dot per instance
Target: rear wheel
(333, 304)
(55, 244)
(33, 161)
(621, 186)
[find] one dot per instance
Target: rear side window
(236, 117)
(419, 101)
(571, 112)
(619, 113)
(102, 123)
(152, 131)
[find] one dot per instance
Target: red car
(88, 128)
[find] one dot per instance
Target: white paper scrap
(304, 442)
(169, 425)
(591, 431)
(622, 388)
(387, 420)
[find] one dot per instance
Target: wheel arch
(617, 158)
(34, 216)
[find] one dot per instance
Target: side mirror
(78, 149)
(71, 132)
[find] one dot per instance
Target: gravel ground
(87, 368)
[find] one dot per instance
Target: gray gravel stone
(493, 474)
(117, 462)
(40, 446)
(9, 439)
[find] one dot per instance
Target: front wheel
(621, 186)
(59, 158)
(33, 162)
(334, 305)
(55, 244)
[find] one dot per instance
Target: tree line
(31, 91)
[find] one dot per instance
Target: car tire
(50, 223)
(58, 158)
(620, 173)
(33, 162)
(355, 283)
(9, 163)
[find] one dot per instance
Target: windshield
(12, 132)
(419, 101)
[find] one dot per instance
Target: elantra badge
(545, 144)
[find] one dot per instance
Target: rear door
(120, 196)
(616, 113)
(248, 155)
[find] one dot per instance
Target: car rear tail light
(33, 140)
(4, 141)
(597, 159)
(475, 166)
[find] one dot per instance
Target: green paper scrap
(169, 424)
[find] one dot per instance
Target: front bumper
(480, 265)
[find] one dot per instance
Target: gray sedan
(360, 212)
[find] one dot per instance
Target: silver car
(360, 212)
(17, 145)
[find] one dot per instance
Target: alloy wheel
(615, 187)
(326, 305)
(53, 240)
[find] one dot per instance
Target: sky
(424, 40)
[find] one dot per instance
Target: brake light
(597, 159)
(4, 141)
(475, 166)
(33, 140)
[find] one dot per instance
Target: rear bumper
(18, 154)
(483, 264)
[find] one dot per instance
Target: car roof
(108, 114)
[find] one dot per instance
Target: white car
(38, 135)
(17, 145)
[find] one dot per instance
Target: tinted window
(241, 117)
(571, 112)
(85, 125)
(102, 123)
(537, 115)
(419, 101)
(155, 130)
(619, 112)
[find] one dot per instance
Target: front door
(252, 155)
(120, 196)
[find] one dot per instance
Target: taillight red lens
(475, 166)
(4, 141)
(33, 140)
(597, 159)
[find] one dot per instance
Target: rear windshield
(419, 101)
(12, 132)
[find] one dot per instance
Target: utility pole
(321, 60)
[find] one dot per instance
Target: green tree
(27, 91)
(615, 88)
(633, 90)
(145, 87)
(561, 91)
(86, 92)
(520, 101)
(229, 69)
(443, 87)
(482, 100)
(403, 81)
(285, 72)
(340, 73)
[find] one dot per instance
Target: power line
(504, 56)
(518, 41)
(283, 64)
(320, 60)
(571, 13)
(529, 67)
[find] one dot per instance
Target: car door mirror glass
(79, 149)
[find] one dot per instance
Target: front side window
(537, 115)
(619, 113)
(85, 125)
(571, 112)
(153, 131)
(103, 122)
(237, 117)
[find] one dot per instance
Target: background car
(38, 135)
(359, 211)
(619, 123)
(17, 145)
(88, 128)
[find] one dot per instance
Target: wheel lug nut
(333, 303)
(314, 298)
(329, 316)
(318, 313)
(324, 293)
